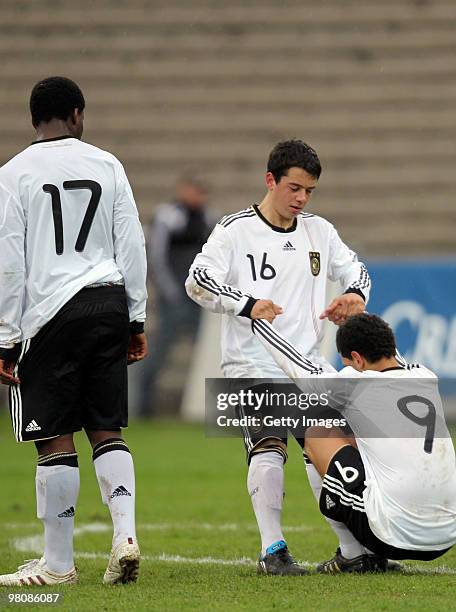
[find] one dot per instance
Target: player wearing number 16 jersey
(72, 311)
(267, 259)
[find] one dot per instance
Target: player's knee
(60, 444)
(98, 436)
(269, 445)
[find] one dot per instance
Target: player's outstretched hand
(265, 309)
(342, 307)
(6, 373)
(137, 348)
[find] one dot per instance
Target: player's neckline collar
(282, 230)
(52, 139)
(393, 368)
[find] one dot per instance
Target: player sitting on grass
(394, 491)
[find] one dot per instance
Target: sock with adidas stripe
(116, 478)
(349, 545)
(57, 490)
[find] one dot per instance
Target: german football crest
(314, 257)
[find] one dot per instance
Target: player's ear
(76, 116)
(270, 181)
(75, 122)
(358, 360)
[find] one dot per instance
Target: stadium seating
(209, 87)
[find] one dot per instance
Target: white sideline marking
(245, 561)
(214, 527)
(422, 569)
(175, 559)
(99, 527)
(35, 543)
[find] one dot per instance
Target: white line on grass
(35, 544)
(214, 527)
(175, 559)
(245, 561)
(94, 527)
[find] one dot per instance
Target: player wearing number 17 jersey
(267, 259)
(72, 311)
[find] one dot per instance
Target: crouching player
(394, 484)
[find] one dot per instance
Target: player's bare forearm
(137, 348)
(265, 309)
(343, 307)
(6, 373)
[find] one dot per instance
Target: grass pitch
(197, 534)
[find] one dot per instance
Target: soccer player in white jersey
(267, 259)
(72, 311)
(394, 484)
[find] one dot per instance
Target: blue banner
(418, 299)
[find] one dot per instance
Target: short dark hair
(55, 98)
(293, 154)
(368, 335)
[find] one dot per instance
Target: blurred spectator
(177, 233)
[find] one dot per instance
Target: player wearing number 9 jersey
(267, 259)
(395, 488)
(72, 311)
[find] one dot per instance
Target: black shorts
(73, 373)
(256, 436)
(342, 500)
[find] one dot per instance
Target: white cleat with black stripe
(34, 572)
(123, 564)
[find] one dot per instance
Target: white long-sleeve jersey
(68, 219)
(247, 256)
(410, 494)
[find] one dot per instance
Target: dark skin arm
(6, 373)
(137, 348)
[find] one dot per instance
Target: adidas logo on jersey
(288, 246)
(119, 491)
(329, 502)
(68, 513)
(33, 426)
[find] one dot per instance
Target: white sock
(116, 478)
(349, 545)
(265, 487)
(57, 490)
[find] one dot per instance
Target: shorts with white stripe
(342, 500)
(73, 372)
